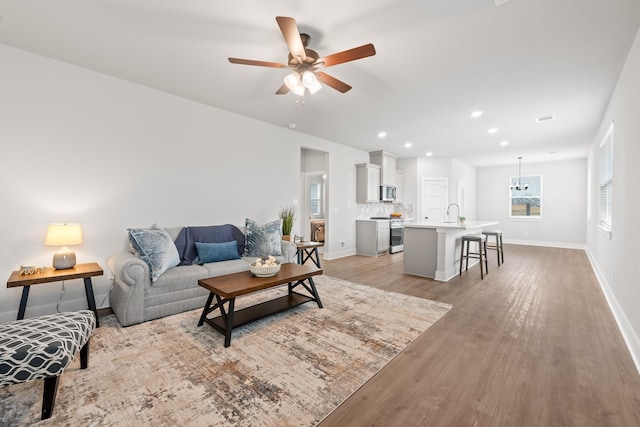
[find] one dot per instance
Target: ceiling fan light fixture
(310, 81)
(314, 87)
(298, 89)
(292, 80)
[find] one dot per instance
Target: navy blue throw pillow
(212, 252)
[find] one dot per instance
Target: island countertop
(467, 225)
(432, 248)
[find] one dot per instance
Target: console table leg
(23, 302)
(88, 288)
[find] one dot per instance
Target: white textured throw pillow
(155, 247)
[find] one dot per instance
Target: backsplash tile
(367, 210)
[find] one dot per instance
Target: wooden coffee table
(226, 288)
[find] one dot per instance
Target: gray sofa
(136, 298)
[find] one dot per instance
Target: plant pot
(286, 237)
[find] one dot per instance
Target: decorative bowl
(264, 271)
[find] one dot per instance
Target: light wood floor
(533, 344)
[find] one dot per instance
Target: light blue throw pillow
(155, 247)
(263, 239)
(213, 252)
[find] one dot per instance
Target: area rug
(292, 368)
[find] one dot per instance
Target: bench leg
(84, 356)
(49, 396)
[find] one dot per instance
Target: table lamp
(63, 235)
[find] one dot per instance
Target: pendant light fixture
(519, 185)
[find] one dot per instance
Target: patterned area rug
(293, 368)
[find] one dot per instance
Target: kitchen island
(432, 248)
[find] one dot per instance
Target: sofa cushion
(178, 278)
(212, 252)
(155, 247)
(185, 242)
(263, 239)
(226, 267)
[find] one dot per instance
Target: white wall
(78, 146)
(428, 167)
(564, 202)
(615, 256)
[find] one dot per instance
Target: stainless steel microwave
(387, 193)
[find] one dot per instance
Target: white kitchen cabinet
(372, 237)
(387, 162)
(368, 183)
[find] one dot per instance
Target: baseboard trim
(626, 329)
(563, 245)
(339, 254)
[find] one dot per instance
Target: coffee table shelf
(259, 311)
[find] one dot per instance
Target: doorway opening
(314, 196)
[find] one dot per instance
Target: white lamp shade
(298, 89)
(63, 235)
(292, 80)
(308, 78)
(311, 82)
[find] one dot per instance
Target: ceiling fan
(304, 63)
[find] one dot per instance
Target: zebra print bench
(42, 348)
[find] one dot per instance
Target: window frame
(318, 200)
(606, 181)
(512, 217)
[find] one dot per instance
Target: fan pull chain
(298, 98)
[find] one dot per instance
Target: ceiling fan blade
(292, 37)
(257, 63)
(347, 55)
(283, 90)
(332, 82)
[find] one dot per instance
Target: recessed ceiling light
(492, 130)
(382, 134)
(504, 143)
(476, 114)
(428, 154)
(545, 118)
(407, 145)
(292, 126)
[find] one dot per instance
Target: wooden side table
(309, 250)
(80, 271)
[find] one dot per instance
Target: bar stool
(481, 239)
(498, 246)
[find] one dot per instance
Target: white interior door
(434, 198)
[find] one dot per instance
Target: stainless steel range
(397, 235)
(396, 227)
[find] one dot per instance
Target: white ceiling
(436, 61)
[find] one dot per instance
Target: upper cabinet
(387, 162)
(368, 183)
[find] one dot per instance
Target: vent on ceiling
(544, 118)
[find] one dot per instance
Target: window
(606, 179)
(525, 203)
(315, 198)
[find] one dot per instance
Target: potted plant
(462, 219)
(288, 217)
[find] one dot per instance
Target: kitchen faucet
(456, 205)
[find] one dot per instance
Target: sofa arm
(289, 251)
(131, 277)
(130, 269)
